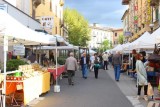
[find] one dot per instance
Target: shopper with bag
(141, 76)
(96, 66)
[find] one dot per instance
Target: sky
(104, 12)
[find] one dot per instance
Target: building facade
(98, 35)
(48, 12)
(51, 9)
(127, 34)
(116, 34)
(143, 16)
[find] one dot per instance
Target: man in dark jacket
(84, 63)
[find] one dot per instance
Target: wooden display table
(31, 87)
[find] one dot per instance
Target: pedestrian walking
(71, 67)
(117, 62)
(141, 76)
(100, 60)
(92, 59)
(110, 60)
(84, 63)
(96, 66)
(105, 61)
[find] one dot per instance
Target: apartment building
(116, 34)
(99, 34)
(143, 16)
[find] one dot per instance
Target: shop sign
(47, 23)
(127, 34)
(18, 50)
(136, 17)
(148, 11)
(4, 7)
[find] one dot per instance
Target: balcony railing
(154, 2)
(36, 2)
(125, 2)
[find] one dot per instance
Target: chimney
(94, 24)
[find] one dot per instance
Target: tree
(78, 27)
(120, 39)
(105, 45)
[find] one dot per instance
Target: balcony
(125, 2)
(36, 3)
(154, 2)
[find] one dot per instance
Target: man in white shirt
(105, 60)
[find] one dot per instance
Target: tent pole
(36, 55)
(56, 66)
(5, 60)
(40, 55)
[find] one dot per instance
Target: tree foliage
(120, 39)
(106, 44)
(78, 27)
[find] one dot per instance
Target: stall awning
(58, 47)
(19, 34)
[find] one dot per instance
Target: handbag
(150, 90)
(96, 65)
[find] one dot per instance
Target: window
(56, 30)
(50, 5)
(156, 14)
(115, 34)
(43, 1)
(56, 11)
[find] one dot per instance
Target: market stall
(12, 33)
(33, 83)
(56, 73)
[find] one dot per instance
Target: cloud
(106, 12)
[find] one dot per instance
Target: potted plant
(13, 64)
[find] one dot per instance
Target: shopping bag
(150, 90)
(159, 87)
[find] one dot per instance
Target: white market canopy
(19, 34)
(92, 51)
(118, 48)
(146, 41)
(59, 38)
(156, 36)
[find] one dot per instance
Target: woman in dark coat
(96, 67)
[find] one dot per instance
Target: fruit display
(27, 71)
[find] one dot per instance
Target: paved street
(91, 92)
